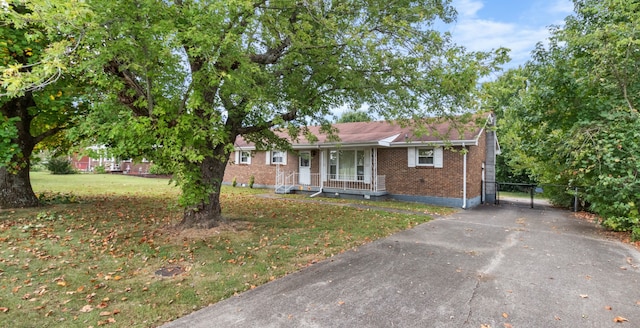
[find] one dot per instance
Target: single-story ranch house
(375, 160)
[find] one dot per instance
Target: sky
(519, 25)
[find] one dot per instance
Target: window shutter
(411, 156)
(268, 157)
(237, 158)
(437, 157)
(249, 157)
(284, 157)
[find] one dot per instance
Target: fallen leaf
(86, 308)
(508, 325)
(105, 313)
(557, 317)
(4, 309)
(584, 295)
(62, 283)
(505, 315)
(619, 319)
(485, 326)
(608, 308)
(340, 302)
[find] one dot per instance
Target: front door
(304, 169)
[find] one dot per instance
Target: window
(277, 157)
(305, 159)
(346, 164)
(245, 157)
(425, 156)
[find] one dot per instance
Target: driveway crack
(473, 295)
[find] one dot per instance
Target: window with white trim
(277, 157)
(346, 165)
(245, 157)
(424, 156)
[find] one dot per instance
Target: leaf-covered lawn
(94, 256)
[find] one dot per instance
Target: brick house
(376, 160)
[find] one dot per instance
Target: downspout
(464, 177)
(320, 191)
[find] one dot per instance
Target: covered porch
(292, 182)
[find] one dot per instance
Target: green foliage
(574, 121)
(354, 116)
(252, 179)
(100, 169)
(159, 169)
(8, 133)
(60, 165)
(234, 182)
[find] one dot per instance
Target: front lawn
(97, 254)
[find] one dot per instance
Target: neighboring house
(110, 164)
(376, 160)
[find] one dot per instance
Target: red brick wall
(423, 181)
(264, 174)
(475, 158)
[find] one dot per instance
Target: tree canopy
(354, 116)
(578, 114)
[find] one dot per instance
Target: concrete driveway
(493, 266)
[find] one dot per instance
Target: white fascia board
(245, 148)
(333, 145)
(435, 143)
(386, 142)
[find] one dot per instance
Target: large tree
(579, 113)
(37, 100)
(187, 77)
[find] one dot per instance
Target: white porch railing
(287, 181)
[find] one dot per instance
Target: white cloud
(468, 8)
(479, 34)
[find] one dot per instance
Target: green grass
(90, 257)
(386, 204)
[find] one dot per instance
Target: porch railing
(377, 183)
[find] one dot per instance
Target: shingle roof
(388, 133)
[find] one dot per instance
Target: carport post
(575, 200)
(531, 192)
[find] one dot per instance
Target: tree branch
(128, 78)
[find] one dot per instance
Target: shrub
(251, 181)
(60, 165)
(99, 169)
(234, 182)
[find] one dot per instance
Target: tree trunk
(15, 183)
(15, 189)
(208, 213)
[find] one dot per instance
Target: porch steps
(284, 189)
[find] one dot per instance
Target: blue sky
(483, 25)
